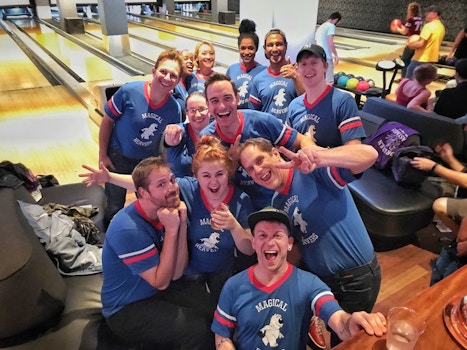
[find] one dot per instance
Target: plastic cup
(405, 326)
(219, 208)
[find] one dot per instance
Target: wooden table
(429, 304)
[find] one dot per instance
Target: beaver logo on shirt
(209, 244)
(298, 220)
(146, 133)
(242, 90)
(271, 332)
(279, 99)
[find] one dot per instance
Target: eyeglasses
(201, 110)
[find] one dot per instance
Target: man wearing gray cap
(430, 39)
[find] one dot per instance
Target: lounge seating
(392, 213)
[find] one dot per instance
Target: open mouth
(223, 115)
(266, 177)
(270, 255)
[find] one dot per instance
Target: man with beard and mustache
(275, 87)
(145, 251)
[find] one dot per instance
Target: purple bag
(388, 139)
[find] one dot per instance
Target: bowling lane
(86, 65)
(148, 41)
(17, 71)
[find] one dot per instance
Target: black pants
(166, 321)
(355, 289)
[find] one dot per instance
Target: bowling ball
(351, 83)
(362, 85)
(336, 78)
(451, 61)
(360, 78)
(413, 38)
(395, 24)
(442, 59)
(342, 81)
(371, 82)
(350, 76)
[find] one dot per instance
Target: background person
(324, 37)
(428, 45)
(413, 25)
(271, 303)
(459, 47)
(452, 102)
(413, 93)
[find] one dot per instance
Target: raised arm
(355, 157)
(103, 175)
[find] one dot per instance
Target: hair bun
(247, 26)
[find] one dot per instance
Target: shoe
(315, 334)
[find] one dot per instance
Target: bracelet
(434, 167)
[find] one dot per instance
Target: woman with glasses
(180, 139)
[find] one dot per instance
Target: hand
(173, 134)
(105, 160)
(182, 211)
(233, 151)
(303, 160)
(288, 70)
(222, 218)
(462, 248)
(170, 219)
(95, 177)
(421, 163)
(336, 60)
(445, 151)
(372, 324)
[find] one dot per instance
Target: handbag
(403, 172)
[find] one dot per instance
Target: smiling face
(197, 112)
(188, 66)
(261, 167)
(312, 70)
(205, 57)
(222, 103)
(271, 243)
(165, 76)
(247, 50)
(213, 178)
(162, 190)
(275, 49)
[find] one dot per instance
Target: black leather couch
(39, 308)
(392, 213)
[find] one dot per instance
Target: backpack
(388, 139)
(403, 171)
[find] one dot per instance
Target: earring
(289, 249)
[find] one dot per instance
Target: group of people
(243, 231)
(421, 55)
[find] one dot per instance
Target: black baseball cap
(270, 214)
(314, 50)
(433, 8)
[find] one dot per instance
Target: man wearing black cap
(429, 42)
(328, 115)
(271, 303)
(451, 102)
